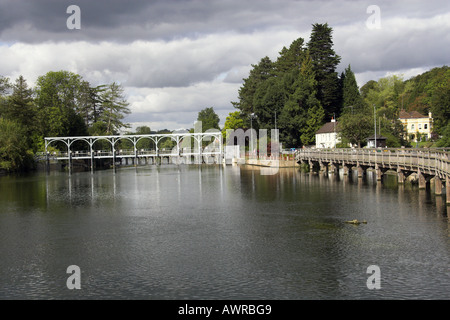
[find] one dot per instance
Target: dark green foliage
(300, 89)
(209, 119)
(325, 62)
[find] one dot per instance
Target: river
(214, 232)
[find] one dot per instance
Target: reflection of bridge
(427, 164)
(188, 148)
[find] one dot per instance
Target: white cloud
(175, 59)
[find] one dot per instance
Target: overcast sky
(177, 57)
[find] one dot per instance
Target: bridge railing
(430, 159)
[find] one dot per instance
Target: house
(381, 142)
(416, 124)
(327, 136)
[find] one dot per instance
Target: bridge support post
(401, 176)
(47, 161)
(447, 188)
(335, 167)
(422, 180)
(323, 167)
(346, 168)
(379, 173)
(361, 171)
(437, 186)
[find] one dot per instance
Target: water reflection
(213, 232)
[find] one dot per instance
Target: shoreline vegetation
(297, 93)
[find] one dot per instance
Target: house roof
(411, 115)
(328, 127)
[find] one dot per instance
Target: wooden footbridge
(426, 164)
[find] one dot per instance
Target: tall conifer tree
(325, 61)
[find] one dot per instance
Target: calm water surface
(214, 232)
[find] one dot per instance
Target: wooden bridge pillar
(323, 167)
(447, 188)
(335, 167)
(437, 186)
(361, 170)
(424, 180)
(347, 168)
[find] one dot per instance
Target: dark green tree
(295, 130)
(357, 127)
(268, 101)
(56, 99)
(350, 90)
(325, 62)
(290, 59)
(209, 119)
(258, 74)
(14, 154)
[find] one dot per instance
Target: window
(412, 127)
(420, 126)
(425, 126)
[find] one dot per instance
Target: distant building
(327, 136)
(416, 123)
(381, 142)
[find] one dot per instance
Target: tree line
(62, 103)
(302, 90)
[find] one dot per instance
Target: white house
(327, 136)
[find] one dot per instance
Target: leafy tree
(357, 127)
(209, 119)
(56, 99)
(325, 62)
(14, 154)
(114, 108)
(444, 142)
(440, 107)
(232, 122)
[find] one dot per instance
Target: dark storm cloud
(118, 20)
(189, 54)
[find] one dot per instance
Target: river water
(213, 232)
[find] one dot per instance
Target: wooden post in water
(437, 185)
(447, 188)
(422, 180)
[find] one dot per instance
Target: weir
(427, 164)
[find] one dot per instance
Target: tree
(56, 99)
(114, 108)
(4, 88)
(325, 61)
(269, 99)
(290, 59)
(232, 122)
(444, 141)
(295, 129)
(209, 119)
(356, 128)
(14, 155)
(258, 75)
(350, 90)
(440, 107)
